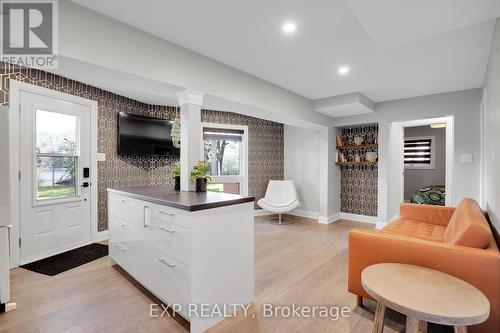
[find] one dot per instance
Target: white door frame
(16, 87)
(450, 147)
(484, 151)
(244, 162)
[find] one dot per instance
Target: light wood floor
(304, 263)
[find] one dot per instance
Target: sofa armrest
(426, 213)
(479, 267)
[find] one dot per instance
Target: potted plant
(176, 175)
(200, 175)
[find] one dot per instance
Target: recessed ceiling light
(289, 28)
(344, 70)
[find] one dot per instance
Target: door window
(56, 155)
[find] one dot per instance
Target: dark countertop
(189, 201)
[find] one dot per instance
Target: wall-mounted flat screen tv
(145, 136)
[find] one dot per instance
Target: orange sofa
(457, 241)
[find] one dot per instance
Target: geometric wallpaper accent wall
(359, 183)
(265, 137)
(265, 148)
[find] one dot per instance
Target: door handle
(85, 184)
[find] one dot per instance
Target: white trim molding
(359, 218)
(242, 178)
(329, 219)
(190, 97)
(305, 213)
(16, 87)
(102, 236)
(450, 151)
(261, 212)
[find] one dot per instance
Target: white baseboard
(359, 218)
(261, 212)
(304, 213)
(102, 235)
(381, 225)
(328, 219)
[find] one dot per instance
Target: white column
(329, 174)
(190, 109)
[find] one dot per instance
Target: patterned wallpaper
(359, 183)
(265, 137)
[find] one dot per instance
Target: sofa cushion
(468, 226)
(416, 229)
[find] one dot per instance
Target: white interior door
(55, 202)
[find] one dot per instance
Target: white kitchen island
(194, 251)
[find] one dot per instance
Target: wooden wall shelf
(355, 163)
(367, 146)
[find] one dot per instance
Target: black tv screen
(145, 136)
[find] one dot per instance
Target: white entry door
(55, 171)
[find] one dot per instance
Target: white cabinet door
(128, 221)
(171, 238)
(142, 245)
(170, 279)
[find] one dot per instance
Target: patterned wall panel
(265, 148)
(359, 184)
(265, 137)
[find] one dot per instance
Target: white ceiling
(395, 48)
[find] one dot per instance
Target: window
(56, 155)
(419, 152)
(225, 148)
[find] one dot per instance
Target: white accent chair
(281, 197)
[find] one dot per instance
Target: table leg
(378, 322)
(413, 325)
(460, 329)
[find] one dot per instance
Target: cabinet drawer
(172, 239)
(123, 254)
(171, 215)
(170, 280)
(126, 208)
(119, 229)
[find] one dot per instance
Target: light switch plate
(466, 158)
(101, 157)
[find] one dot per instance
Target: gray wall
(302, 165)
(463, 105)
(265, 147)
(416, 178)
(491, 100)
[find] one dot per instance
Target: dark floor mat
(68, 260)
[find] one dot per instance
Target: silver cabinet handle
(167, 230)
(120, 200)
(121, 247)
(120, 224)
(165, 213)
(163, 261)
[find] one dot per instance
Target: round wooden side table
(423, 295)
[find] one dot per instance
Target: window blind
(418, 151)
(220, 134)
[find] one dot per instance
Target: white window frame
(417, 166)
(242, 179)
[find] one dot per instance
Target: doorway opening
(426, 161)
